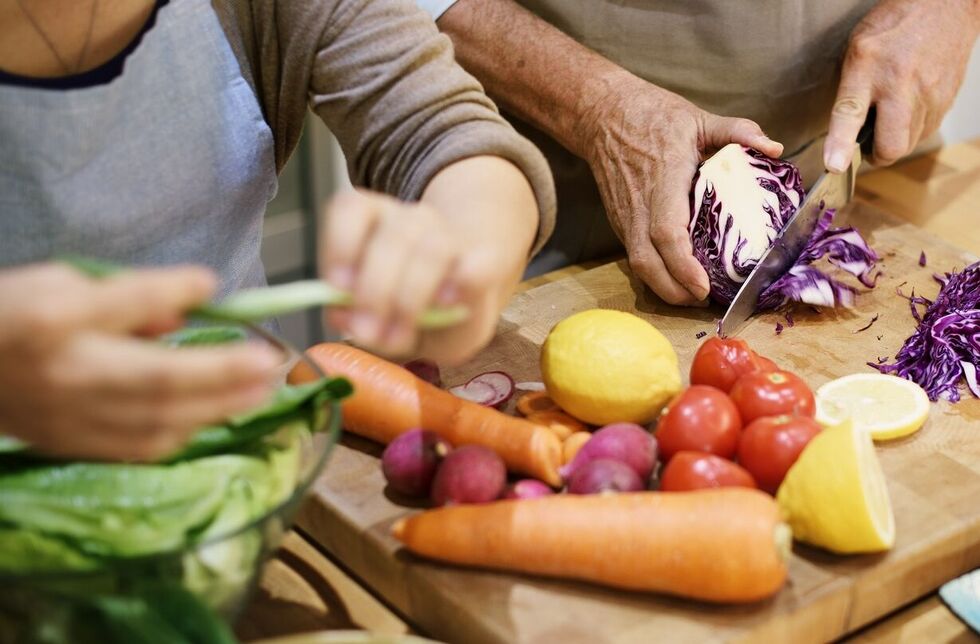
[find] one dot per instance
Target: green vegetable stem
(258, 304)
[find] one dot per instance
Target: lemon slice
(884, 406)
(835, 495)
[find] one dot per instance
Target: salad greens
(158, 552)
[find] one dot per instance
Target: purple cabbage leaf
(740, 200)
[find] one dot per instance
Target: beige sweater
(384, 81)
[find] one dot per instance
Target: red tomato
(700, 418)
(772, 393)
(719, 363)
(767, 364)
(770, 446)
(699, 470)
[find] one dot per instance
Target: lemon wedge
(884, 406)
(835, 495)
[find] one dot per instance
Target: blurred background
(317, 170)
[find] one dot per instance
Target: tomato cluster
(740, 406)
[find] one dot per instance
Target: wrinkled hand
(399, 259)
(76, 381)
(644, 145)
(908, 58)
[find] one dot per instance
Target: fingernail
(267, 358)
(448, 294)
(341, 277)
(397, 336)
(765, 140)
(836, 161)
(365, 327)
(338, 319)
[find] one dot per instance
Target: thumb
(719, 131)
(139, 298)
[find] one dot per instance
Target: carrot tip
(398, 529)
(783, 538)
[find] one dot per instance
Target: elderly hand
(644, 145)
(75, 380)
(906, 57)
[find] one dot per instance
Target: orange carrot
(389, 400)
(536, 401)
(559, 422)
(724, 545)
(572, 445)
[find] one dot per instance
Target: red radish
(604, 475)
(625, 442)
(409, 462)
(491, 389)
(426, 370)
(527, 489)
(470, 474)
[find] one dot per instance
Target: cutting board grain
(933, 479)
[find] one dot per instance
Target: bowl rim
(329, 434)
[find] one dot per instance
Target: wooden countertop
(304, 591)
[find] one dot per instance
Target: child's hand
(465, 243)
(76, 381)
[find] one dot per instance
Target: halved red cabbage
(946, 345)
(740, 199)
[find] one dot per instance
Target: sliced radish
(530, 386)
(491, 389)
(426, 370)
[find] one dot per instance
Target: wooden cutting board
(933, 479)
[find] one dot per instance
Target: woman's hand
(76, 381)
(466, 242)
(644, 145)
(907, 58)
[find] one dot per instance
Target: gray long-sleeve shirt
(384, 81)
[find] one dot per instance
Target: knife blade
(829, 191)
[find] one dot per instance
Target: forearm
(535, 71)
(487, 203)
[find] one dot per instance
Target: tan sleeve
(384, 81)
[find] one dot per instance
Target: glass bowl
(185, 594)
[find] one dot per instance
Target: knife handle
(866, 135)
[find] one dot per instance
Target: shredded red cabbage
(844, 248)
(946, 345)
(922, 258)
(868, 325)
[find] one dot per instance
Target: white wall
(963, 121)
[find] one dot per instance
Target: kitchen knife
(829, 191)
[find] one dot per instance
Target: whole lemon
(605, 366)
